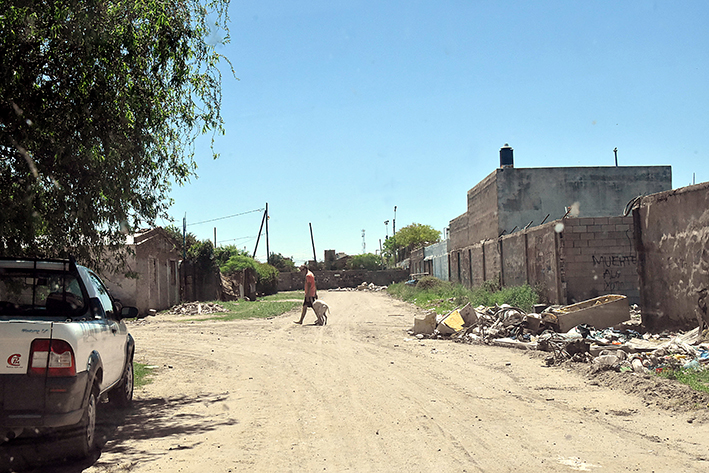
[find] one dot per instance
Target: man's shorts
(308, 302)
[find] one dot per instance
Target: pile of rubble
(197, 308)
(362, 287)
(599, 331)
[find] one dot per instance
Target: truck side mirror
(129, 313)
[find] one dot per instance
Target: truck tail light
(54, 358)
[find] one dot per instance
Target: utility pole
(215, 237)
(268, 250)
(312, 240)
(258, 238)
(184, 237)
(381, 253)
(615, 151)
(364, 244)
(386, 225)
(393, 224)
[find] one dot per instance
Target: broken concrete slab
(600, 312)
(470, 315)
(425, 325)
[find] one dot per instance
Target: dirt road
(362, 395)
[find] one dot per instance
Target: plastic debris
(619, 348)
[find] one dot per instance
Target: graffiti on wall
(613, 265)
(614, 261)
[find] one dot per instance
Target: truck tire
(78, 441)
(122, 394)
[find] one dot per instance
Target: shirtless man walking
(310, 292)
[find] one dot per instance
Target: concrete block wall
(529, 194)
(514, 260)
(458, 233)
(673, 255)
(482, 210)
(492, 260)
(588, 258)
(478, 276)
(597, 257)
(542, 261)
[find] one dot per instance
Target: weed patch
(252, 310)
(695, 379)
(443, 296)
(141, 374)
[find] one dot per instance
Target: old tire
(122, 394)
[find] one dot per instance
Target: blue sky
(345, 109)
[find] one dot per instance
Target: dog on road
(322, 310)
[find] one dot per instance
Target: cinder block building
(563, 230)
(511, 199)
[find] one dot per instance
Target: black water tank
(506, 158)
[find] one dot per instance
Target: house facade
(151, 278)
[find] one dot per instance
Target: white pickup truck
(63, 345)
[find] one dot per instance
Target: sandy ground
(361, 395)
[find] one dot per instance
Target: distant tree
(202, 255)
(410, 237)
(176, 234)
(280, 262)
(238, 263)
(267, 275)
(222, 254)
(100, 104)
(416, 235)
(368, 261)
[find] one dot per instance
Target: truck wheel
(80, 439)
(122, 395)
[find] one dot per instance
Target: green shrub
(238, 263)
(266, 275)
(223, 253)
(267, 282)
(431, 282)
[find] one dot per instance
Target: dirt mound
(653, 390)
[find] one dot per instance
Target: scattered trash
(362, 287)
(599, 331)
(197, 308)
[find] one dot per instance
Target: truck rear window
(40, 293)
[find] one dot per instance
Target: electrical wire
(228, 216)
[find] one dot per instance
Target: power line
(237, 239)
(228, 216)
